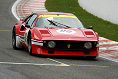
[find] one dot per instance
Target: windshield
(58, 22)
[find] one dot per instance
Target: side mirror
(28, 26)
(21, 20)
(90, 27)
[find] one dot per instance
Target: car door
(26, 26)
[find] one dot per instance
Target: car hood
(62, 32)
(65, 33)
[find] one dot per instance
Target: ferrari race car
(54, 33)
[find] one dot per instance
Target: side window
(27, 19)
(30, 20)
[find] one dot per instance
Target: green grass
(104, 28)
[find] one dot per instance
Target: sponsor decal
(66, 31)
(68, 45)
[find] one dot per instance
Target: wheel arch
(31, 32)
(17, 29)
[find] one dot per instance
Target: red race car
(54, 33)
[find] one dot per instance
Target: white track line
(111, 42)
(109, 48)
(36, 64)
(58, 62)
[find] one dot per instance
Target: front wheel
(91, 57)
(30, 45)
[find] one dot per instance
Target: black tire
(91, 57)
(14, 38)
(29, 44)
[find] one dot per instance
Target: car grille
(69, 45)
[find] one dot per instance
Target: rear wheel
(14, 38)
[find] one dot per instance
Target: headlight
(88, 45)
(51, 44)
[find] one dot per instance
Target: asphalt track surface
(18, 64)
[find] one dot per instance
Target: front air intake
(89, 33)
(44, 32)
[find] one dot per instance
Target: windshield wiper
(51, 22)
(56, 23)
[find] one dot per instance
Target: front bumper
(68, 52)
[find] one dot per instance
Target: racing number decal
(66, 31)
